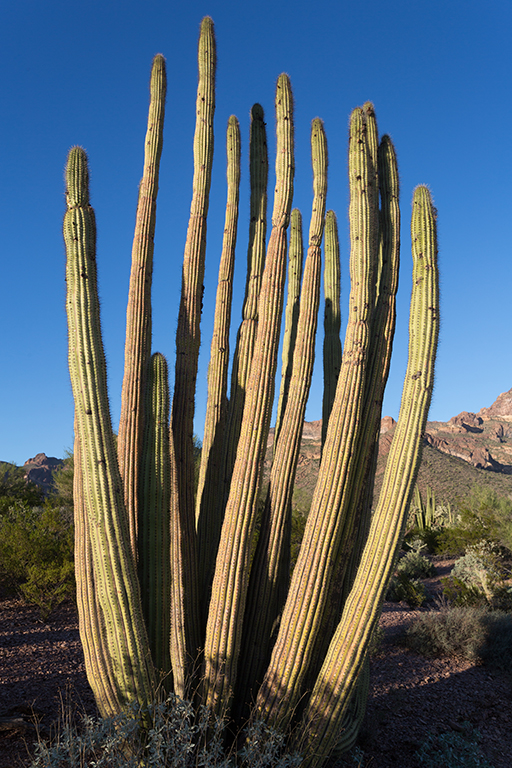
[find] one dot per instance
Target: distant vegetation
(36, 539)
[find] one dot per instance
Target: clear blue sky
(439, 74)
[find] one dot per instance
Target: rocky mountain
(470, 449)
(40, 470)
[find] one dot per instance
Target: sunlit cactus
(194, 594)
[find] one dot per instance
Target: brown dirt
(42, 669)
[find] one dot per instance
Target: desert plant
(15, 488)
(483, 515)
(480, 567)
(473, 632)
(414, 565)
(36, 554)
(265, 638)
(450, 750)
(181, 735)
(403, 588)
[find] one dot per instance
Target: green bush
(403, 589)
(478, 577)
(450, 750)
(415, 566)
(36, 554)
(14, 489)
(482, 516)
(457, 592)
(472, 632)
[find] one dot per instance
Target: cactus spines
(116, 585)
(138, 313)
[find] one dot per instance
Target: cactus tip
(77, 178)
(257, 112)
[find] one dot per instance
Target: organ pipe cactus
(174, 587)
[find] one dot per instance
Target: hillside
(470, 449)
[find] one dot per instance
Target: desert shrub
(452, 631)
(480, 567)
(14, 489)
(401, 588)
(472, 632)
(48, 585)
(414, 565)
(478, 577)
(482, 516)
(457, 592)
(449, 750)
(178, 736)
(36, 554)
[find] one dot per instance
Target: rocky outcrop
(40, 470)
(501, 408)
(467, 422)
(386, 424)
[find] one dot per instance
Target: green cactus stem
(358, 516)
(210, 489)
(115, 580)
(332, 317)
(98, 664)
(309, 588)
(242, 358)
(184, 558)
(270, 569)
(154, 524)
(138, 313)
(229, 590)
(291, 315)
(331, 694)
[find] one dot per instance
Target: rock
(500, 409)
(40, 470)
(386, 424)
(469, 422)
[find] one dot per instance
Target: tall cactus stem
(209, 506)
(309, 589)
(295, 263)
(138, 314)
(357, 519)
(270, 569)
(154, 523)
(188, 341)
(332, 317)
(258, 171)
(229, 590)
(117, 587)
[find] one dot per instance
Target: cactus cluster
(172, 588)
